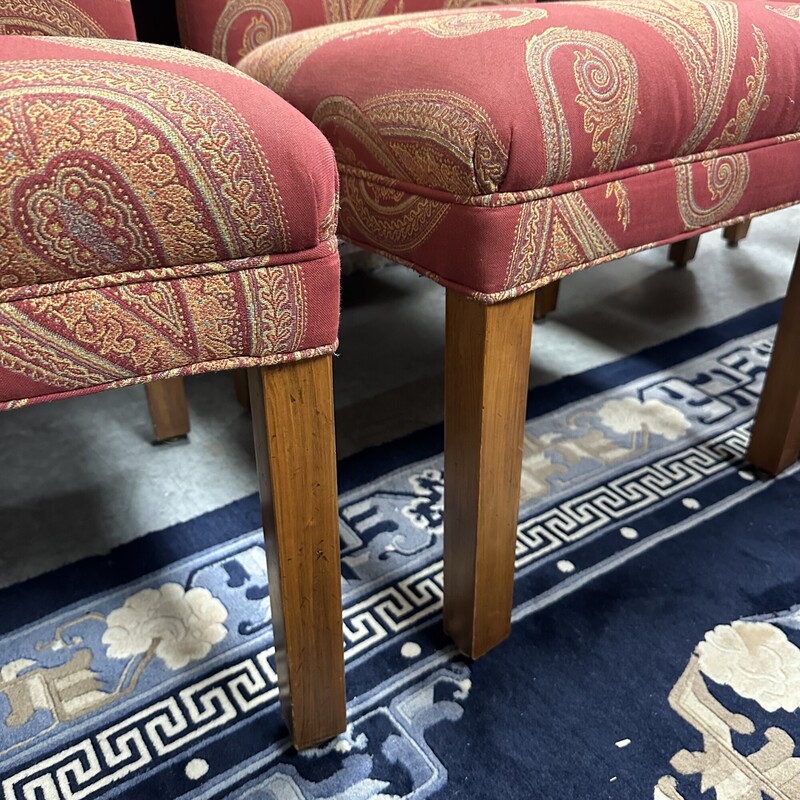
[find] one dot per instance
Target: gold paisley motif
(705, 37)
(608, 84)
(327, 226)
(48, 18)
(437, 139)
(271, 19)
(471, 22)
(77, 340)
(554, 234)
(472, 3)
(620, 193)
(68, 205)
(276, 65)
(737, 128)
(790, 12)
(159, 52)
(726, 179)
(344, 10)
(385, 217)
(276, 310)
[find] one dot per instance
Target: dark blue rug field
(655, 650)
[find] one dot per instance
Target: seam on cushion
(197, 367)
(524, 288)
(504, 199)
(151, 274)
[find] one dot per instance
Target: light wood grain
(486, 382)
(169, 411)
(775, 440)
(293, 427)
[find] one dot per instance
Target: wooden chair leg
(775, 441)
(293, 428)
(486, 383)
(169, 412)
(546, 300)
(734, 234)
(681, 253)
(241, 387)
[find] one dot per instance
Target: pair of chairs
(162, 213)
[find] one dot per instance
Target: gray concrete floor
(80, 476)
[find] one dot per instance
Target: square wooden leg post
(734, 234)
(681, 253)
(546, 300)
(775, 441)
(292, 406)
(486, 384)
(169, 412)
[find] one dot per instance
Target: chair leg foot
(486, 382)
(293, 428)
(734, 234)
(169, 412)
(775, 440)
(681, 253)
(546, 300)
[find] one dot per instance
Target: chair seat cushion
(496, 149)
(230, 29)
(95, 19)
(160, 213)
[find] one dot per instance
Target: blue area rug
(655, 651)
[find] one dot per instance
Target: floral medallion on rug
(655, 650)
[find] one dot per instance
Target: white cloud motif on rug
(756, 660)
(630, 415)
(171, 623)
(759, 662)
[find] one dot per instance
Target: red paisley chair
(497, 150)
(230, 29)
(162, 214)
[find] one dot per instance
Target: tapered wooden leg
(486, 382)
(546, 300)
(681, 253)
(169, 411)
(241, 387)
(775, 441)
(293, 428)
(734, 234)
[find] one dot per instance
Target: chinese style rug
(655, 651)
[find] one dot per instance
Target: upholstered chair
(162, 214)
(497, 150)
(230, 29)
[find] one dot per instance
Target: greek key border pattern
(171, 724)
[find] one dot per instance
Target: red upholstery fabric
(619, 125)
(97, 19)
(160, 213)
(230, 29)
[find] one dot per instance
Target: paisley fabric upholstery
(97, 19)
(160, 213)
(230, 29)
(520, 143)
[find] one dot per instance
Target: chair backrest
(96, 19)
(230, 29)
